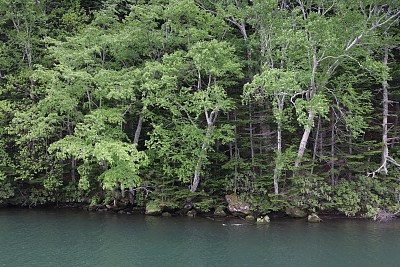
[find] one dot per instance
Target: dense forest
(284, 103)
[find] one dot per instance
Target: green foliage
(346, 198)
(366, 196)
(310, 192)
(99, 140)
(214, 58)
(101, 96)
(7, 189)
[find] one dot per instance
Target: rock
(264, 219)
(153, 208)
(166, 214)
(250, 218)
(237, 206)
(313, 218)
(296, 212)
(219, 212)
(188, 206)
(191, 213)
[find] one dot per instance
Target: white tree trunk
(311, 113)
(304, 139)
(385, 151)
(333, 142)
(281, 103)
(196, 177)
(278, 158)
(210, 125)
(138, 130)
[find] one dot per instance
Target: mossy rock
(296, 212)
(313, 218)
(153, 208)
(264, 219)
(236, 205)
(219, 212)
(166, 214)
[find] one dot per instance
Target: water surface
(60, 237)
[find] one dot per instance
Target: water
(76, 238)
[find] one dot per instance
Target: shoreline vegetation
(243, 108)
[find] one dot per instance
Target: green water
(75, 238)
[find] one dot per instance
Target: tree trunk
(210, 125)
(385, 151)
(316, 144)
(311, 113)
(230, 143)
(333, 141)
(251, 136)
(395, 125)
(385, 140)
(278, 157)
(349, 173)
(73, 168)
(138, 130)
(304, 139)
(281, 103)
(237, 156)
(196, 177)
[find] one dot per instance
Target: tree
(278, 85)
(212, 65)
(328, 53)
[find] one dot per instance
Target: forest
(282, 103)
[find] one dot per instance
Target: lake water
(77, 238)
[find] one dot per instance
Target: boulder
(237, 206)
(296, 212)
(153, 208)
(188, 206)
(166, 214)
(219, 212)
(313, 218)
(264, 219)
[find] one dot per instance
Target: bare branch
(393, 17)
